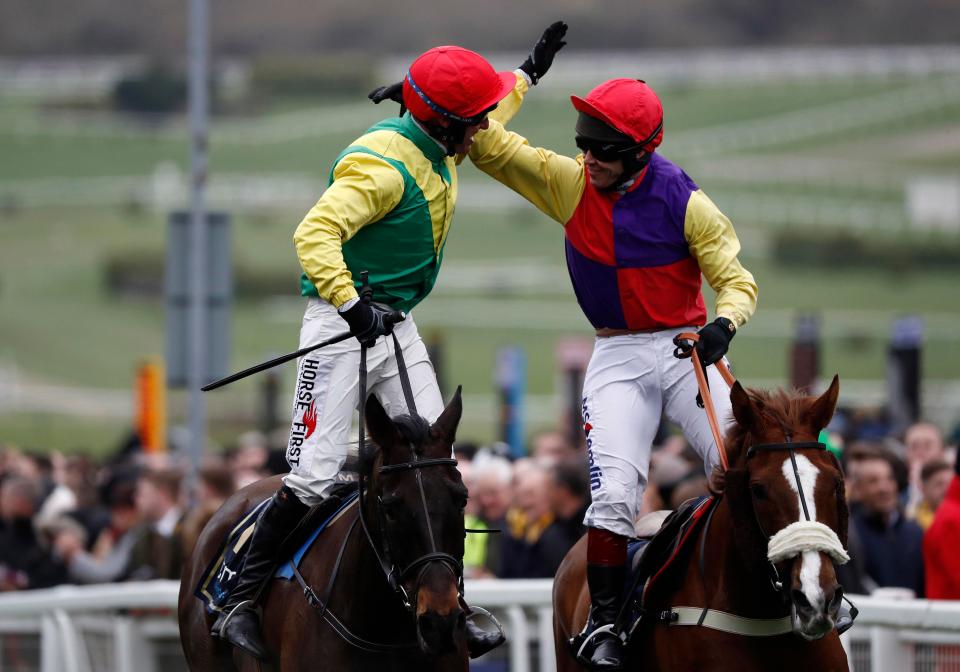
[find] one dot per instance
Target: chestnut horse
(765, 554)
(385, 576)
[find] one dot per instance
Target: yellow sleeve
(715, 246)
(509, 106)
(552, 182)
(365, 188)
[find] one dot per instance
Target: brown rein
(698, 368)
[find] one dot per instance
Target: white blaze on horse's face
(810, 567)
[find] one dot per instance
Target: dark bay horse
(768, 556)
(388, 570)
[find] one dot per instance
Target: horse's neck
(731, 584)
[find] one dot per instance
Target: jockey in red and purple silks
(639, 235)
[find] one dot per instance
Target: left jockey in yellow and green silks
(387, 210)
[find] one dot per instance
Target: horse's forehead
(802, 479)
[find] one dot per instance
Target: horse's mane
(415, 429)
(778, 407)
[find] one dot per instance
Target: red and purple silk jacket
(627, 255)
(635, 257)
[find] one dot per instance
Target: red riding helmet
(629, 106)
(453, 82)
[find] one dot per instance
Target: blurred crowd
(69, 519)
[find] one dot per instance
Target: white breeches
(327, 394)
(630, 382)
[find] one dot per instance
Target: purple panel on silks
(648, 221)
(595, 285)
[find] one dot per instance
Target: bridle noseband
(805, 535)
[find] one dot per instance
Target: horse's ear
(743, 409)
(382, 429)
(821, 410)
(444, 430)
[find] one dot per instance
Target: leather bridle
(775, 580)
(397, 576)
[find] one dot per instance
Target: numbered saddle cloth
(222, 574)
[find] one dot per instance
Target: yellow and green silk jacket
(387, 210)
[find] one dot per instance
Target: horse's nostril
(837, 598)
(800, 599)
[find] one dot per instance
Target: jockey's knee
(614, 509)
(308, 490)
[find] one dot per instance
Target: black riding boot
(239, 622)
(481, 640)
(602, 648)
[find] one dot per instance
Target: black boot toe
(243, 631)
(480, 641)
(608, 655)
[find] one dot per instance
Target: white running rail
(132, 628)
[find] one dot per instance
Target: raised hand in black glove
(369, 321)
(392, 92)
(541, 58)
(715, 340)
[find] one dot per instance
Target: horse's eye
(758, 490)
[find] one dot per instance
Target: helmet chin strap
(632, 166)
(449, 136)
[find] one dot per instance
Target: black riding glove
(392, 92)
(369, 321)
(715, 340)
(541, 58)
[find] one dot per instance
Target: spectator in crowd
(935, 478)
(110, 558)
(853, 575)
(551, 446)
(474, 543)
(249, 459)
(214, 485)
(465, 451)
(941, 545)
(80, 475)
(24, 561)
(892, 544)
(526, 551)
(57, 498)
(569, 499)
(157, 553)
(923, 443)
(667, 471)
(491, 491)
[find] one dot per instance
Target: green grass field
(58, 325)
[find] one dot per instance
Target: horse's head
(416, 501)
(787, 496)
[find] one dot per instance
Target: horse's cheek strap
(750, 542)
